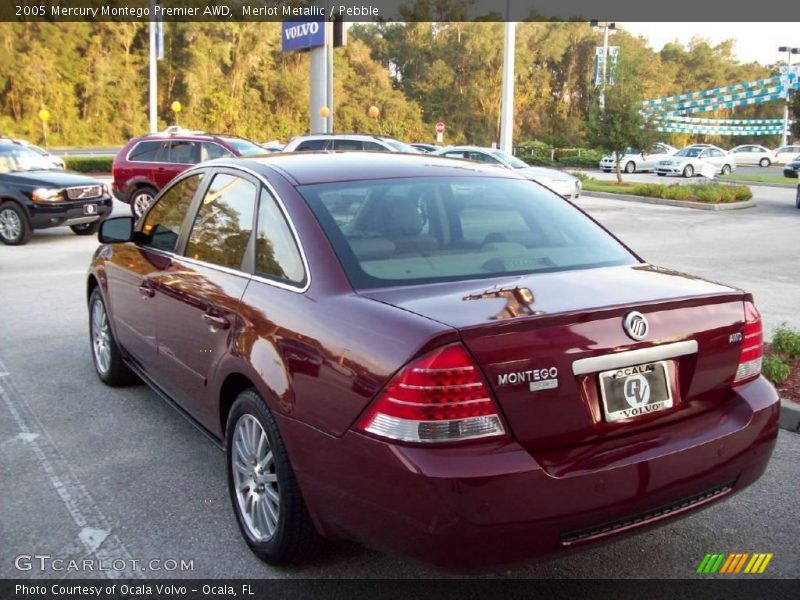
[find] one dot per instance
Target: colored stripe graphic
(713, 92)
(734, 563)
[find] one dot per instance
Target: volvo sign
(302, 35)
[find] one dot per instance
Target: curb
(790, 416)
(783, 186)
(665, 202)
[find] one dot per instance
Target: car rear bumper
(479, 505)
(44, 216)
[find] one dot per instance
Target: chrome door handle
(215, 322)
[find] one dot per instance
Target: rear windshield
(244, 147)
(404, 231)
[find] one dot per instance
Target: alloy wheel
(141, 202)
(255, 479)
(101, 337)
(10, 225)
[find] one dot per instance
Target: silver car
(753, 154)
(698, 159)
(561, 183)
(635, 159)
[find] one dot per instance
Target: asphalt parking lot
(89, 471)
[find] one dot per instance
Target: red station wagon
(433, 358)
(147, 163)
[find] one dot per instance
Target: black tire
(85, 228)
(295, 539)
(797, 198)
(630, 167)
(15, 229)
(726, 169)
(117, 373)
(139, 197)
(606, 170)
(688, 171)
(764, 162)
(661, 174)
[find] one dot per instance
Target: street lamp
(789, 51)
(608, 28)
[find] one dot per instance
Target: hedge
(89, 164)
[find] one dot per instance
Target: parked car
(791, 169)
(785, 154)
(147, 163)
(752, 154)
(34, 194)
(693, 160)
(562, 183)
(429, 356)
(797, 197)
(635, 159)
(56, 161)
(272, 146)
(427, 148)
(345, 142)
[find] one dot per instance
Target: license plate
(90, 209)
(635, 391)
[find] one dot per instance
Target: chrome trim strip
(606, 362)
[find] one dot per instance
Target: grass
(787, 181)
(713, 193)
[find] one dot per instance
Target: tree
(621, 123)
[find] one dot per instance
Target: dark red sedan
(431, 357)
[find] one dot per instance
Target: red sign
(440, 127)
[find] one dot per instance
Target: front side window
(375, 147)
(393, 232)
(310, 145)
(210, 151)
(163, 222)
(277, 255)
(181, 151)
(348, 145)
(224, 222)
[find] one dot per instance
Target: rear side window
(277, 255)
(348, 145)
(224, 222)
(181, 152)
(163, 222)
(144, 152)
(392, 232)
(311, 145)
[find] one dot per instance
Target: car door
(175, 157)
(199, 293)
(134, 269)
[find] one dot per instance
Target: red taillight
(440, 397)
(752, 346)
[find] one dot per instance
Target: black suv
(34, 194)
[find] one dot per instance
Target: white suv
(342, 142)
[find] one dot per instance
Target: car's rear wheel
(765, 162)
(108, 363)
(688, 171)
(85, 228)
(726, 169)
(630, 167)
(266, 499)
(15, 229)
(797, 198)
(141, 199)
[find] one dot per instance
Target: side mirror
(116, 229)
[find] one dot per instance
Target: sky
(755, 42)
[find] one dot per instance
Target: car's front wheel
(108, 363)
(765, 162)
(141, 199)
(15, 230)
(630, 167)
(726, 169)
(266, 499)
(85, 228)
(688, 171)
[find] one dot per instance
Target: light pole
(507, 99)
(608, 28)
(789, 51)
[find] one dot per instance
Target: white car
(752, 154)
(785, 154)
(700, 159)
(347, 142)
(56, 161)
(638, 160)
(561, 183)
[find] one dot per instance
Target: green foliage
(786, 341)
(703, 192)
(89, 164)
(775, 369)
